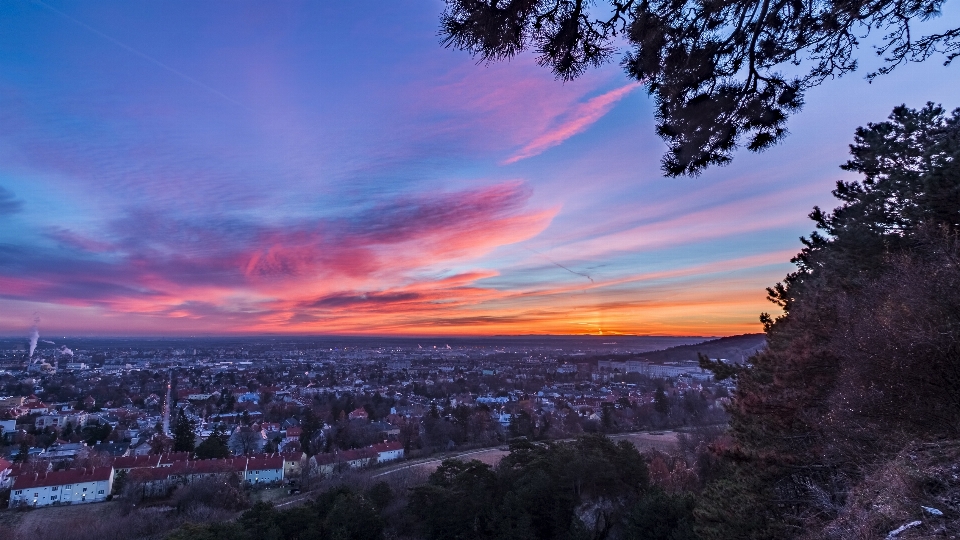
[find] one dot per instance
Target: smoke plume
(34, 335)
(65, 350)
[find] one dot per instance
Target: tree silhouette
(184, 437)
(715, 68)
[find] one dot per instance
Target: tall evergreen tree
(865, 356)
(184, 436)
(214, 446)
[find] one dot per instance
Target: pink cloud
(383, 259)
(575, 122)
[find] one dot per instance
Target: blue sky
(180, 168)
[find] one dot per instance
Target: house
(356, 459)
(323, 463)
(11, 404)
(140, 448)
(358, 414)
(127, 463)
(387, 429)
(388, 451)
(264, 469)
(5, 469)
(33, 405)
(293, 463)
(71, 486)
(159, 480)
(112, 448)
(292, 434)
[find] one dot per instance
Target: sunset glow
(188, 168)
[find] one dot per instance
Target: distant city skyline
(184, 168)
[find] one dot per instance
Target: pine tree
(660, 402)
(864, 356)
(214, 446)
(184, 437)
(715, 69)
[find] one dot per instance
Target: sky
(232, 167)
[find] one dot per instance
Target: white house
(264, 469)
(388, 451)
(71, 486)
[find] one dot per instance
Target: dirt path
(657, 440)
(490, 456)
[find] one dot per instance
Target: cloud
(8, 204)
(575, 122)
(262, 272)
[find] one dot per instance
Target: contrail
(148, 58)
(555, 263)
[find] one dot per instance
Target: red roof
(59, 478)
(266, 461)
(388, 446)
(135, 462)
(292, 456)
(151, 474)
(324, 459)
(294, 431)
(4, 464)
(174, 457)
(359, 453)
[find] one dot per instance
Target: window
(84, 490)
(100, 492)
(54, 488)
(18, 492)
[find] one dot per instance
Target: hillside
(733, 348)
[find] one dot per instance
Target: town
(100, 419)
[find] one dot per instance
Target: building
(663, 371)
(71, 486)
(266, 469)
(359, 458)
(5, 468)
(359, 414)
(59, 420)
(388, 451)
(292, 434)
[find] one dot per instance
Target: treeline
(592, 488)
